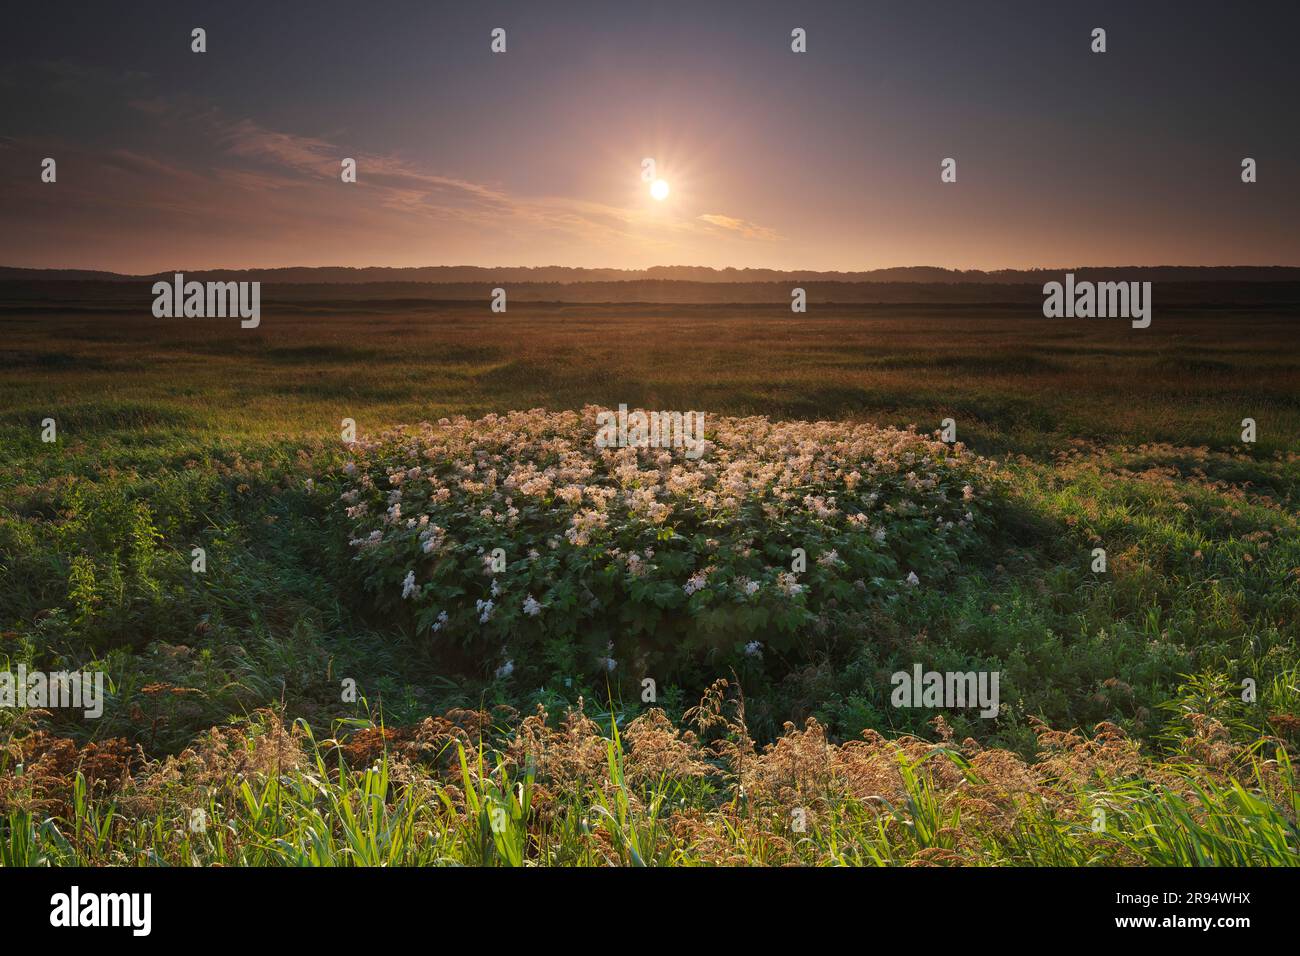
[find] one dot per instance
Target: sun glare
(659, 189)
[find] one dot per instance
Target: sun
(659, 189)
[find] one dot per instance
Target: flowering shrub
(639, 561)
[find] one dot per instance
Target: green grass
(174, 434)
(490, 811)
(1014, 384)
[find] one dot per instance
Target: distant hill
(929, 275)
(1188, 286)
(135, 294)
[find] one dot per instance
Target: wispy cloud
(748, 230)
(200, 183)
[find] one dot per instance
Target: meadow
(1015, 384)
(1122, 691)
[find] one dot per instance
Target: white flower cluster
(433, 501)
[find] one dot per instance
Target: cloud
(196, 184)
(744, 228)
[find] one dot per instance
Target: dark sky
(824, 160)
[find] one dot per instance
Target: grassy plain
(173, 433)
(1013, 383)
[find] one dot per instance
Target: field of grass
(177, 434)
(1013, 384)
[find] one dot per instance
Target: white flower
(311, 485)
(485, 608)
(912, 579)
(505, 670)
(879, 535)
(408, 585)
(442, 619)
(788, 584)
(531, 607)
(754, 649)
(375, 538)
(698, 581)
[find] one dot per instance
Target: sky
(828, 160)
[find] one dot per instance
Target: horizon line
(654, 268)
